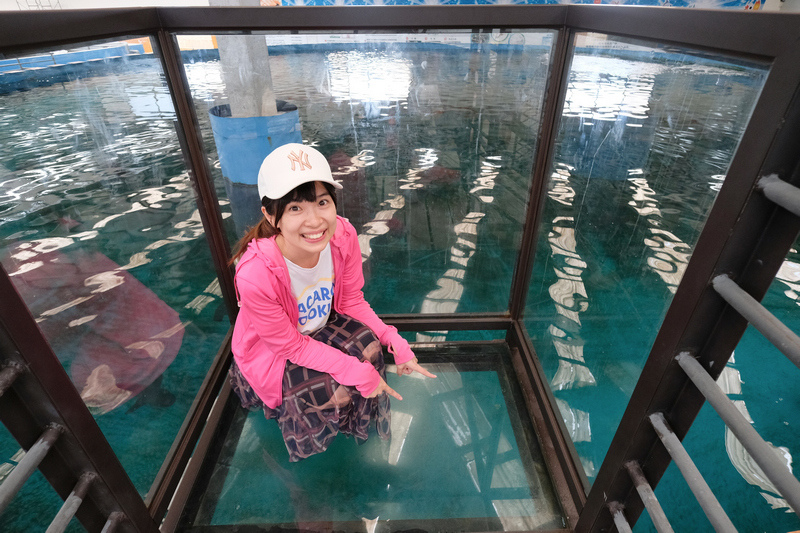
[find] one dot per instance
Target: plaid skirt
(316, 408)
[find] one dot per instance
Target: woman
(306, 345)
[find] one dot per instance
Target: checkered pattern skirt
(316, 408)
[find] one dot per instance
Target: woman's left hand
(413, 366)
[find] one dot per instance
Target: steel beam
(561, 458)
(540, 173)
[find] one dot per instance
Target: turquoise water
(762, 382)
(459, 458)
(93, 187)
(435, 148)
(643, 148)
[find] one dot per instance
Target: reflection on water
(426, 142)
(730, 381)
(609, 89)
(435, 153)
(447, 297)
(368, 78)
(101, 236)
(642, 152)
(667, 255)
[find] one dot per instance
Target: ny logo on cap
(301, 159)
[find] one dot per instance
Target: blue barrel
(242, 145)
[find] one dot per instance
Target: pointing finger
(422, 371)
(391, 392)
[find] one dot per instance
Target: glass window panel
(432, 135)
(762, 383)
(101, 235)
(645, 140)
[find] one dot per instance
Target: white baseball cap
(290, 165)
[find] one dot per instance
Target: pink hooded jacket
(265, 335)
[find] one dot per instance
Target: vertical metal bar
(705, 497)
(114, 519)
(8, 375)
(561, 458)
(556, 89)
(765, 457)
(27, 465)
(648, 498)
(162, 490)
(785, 195)
(184, 490)
(71, 504)
(192, 143)
(619, 517)
(773, 329)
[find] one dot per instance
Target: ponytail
(262, 230)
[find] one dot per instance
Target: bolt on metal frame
(745, 237)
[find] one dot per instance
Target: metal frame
(43, 395)
(698, 319)
(746, 237)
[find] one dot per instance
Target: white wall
(790, 6)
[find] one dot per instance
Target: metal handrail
(8, 375)
(617, 511)
(647, 495)
(71, 504)
(705, 496)
(773, 329)
(114, 520)
(785, 195)
(28, 465)
(773, 468)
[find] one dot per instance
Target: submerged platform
(463, 457)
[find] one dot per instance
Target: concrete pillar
(245, 69)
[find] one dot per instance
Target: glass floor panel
(463, 456)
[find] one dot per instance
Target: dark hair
(305, 192)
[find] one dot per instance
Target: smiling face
(306, 227)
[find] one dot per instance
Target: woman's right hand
(383, 387)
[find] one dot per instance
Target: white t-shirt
(313, 290)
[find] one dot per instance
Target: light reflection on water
(367, 77)
(609, 89)
(605, 268)
(106, 168)
(100, 232)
